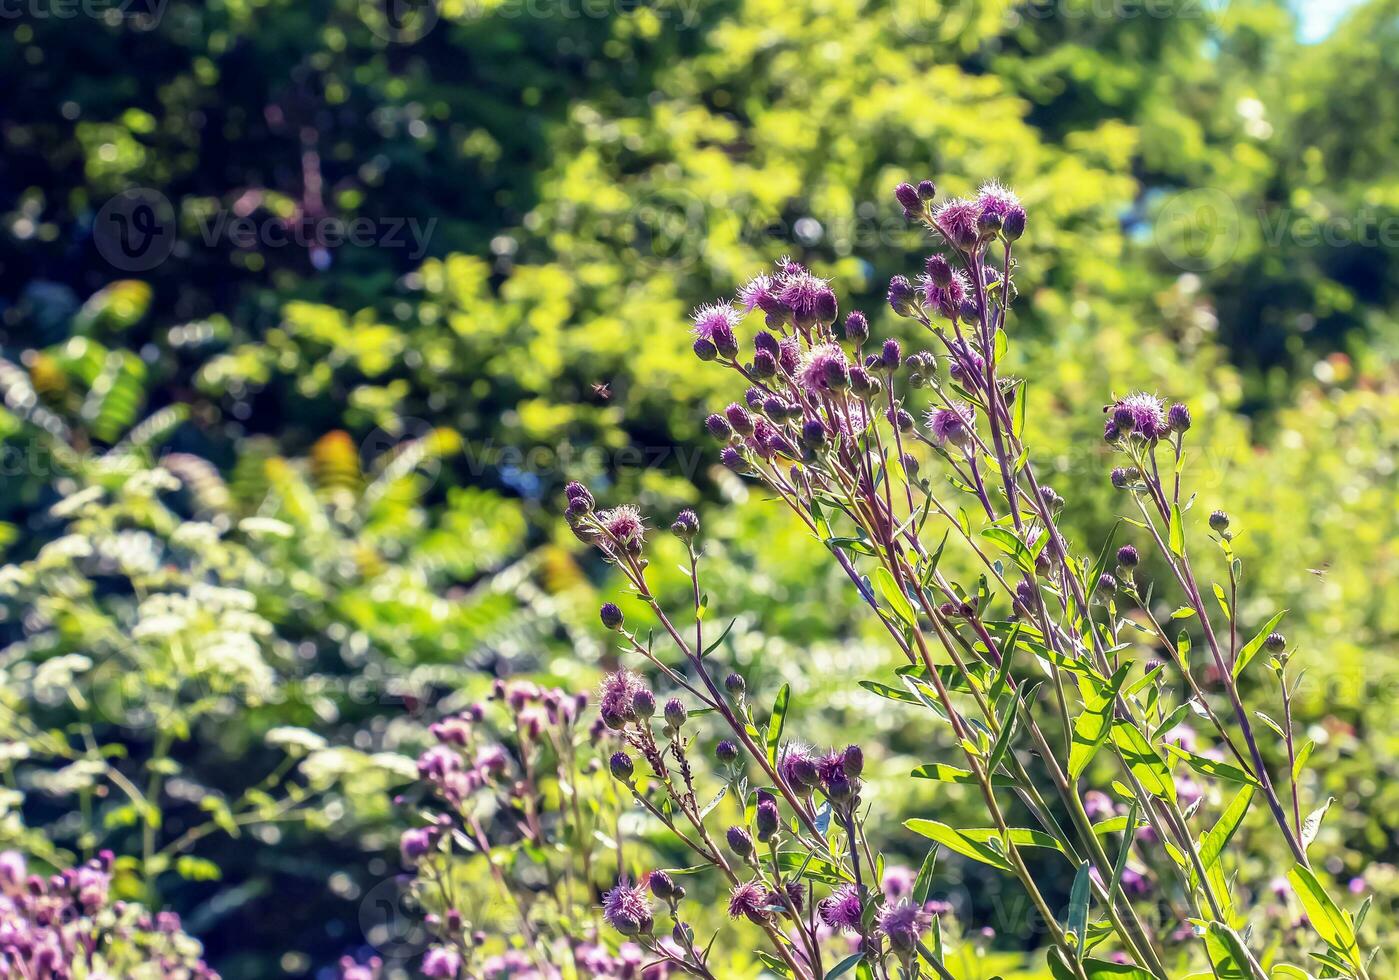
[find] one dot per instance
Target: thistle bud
(726, 752)
(611, 615)
(735, 685)
(686, 525)
(852, 761)
(1219, 521)
(1127, 556)
(675, 714)
(739, 419)
(907, 196)
(621, 766)
(1107, 584)
(705, 350)
(1124, 476)
(903, 299)
(926, 190)
(891, 355)
(939, 270)
(732, 459)
(861, 383)
(767, 820)
(1178, 418)
(857, 328)
(643, 702)
(813, 433)
(764, 364)
(1275, 643)
(826, 306)
(577, 492)
(1013, 225)
(910, 464)
(989, 223)
(740, 842)
(718, 427)
(662, 884)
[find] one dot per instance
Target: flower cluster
(66, 925)
(873, 447)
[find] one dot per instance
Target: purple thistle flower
(789, 355)
(758, 293)
(825, 369)
(809, 298)
(616, 697)
(798, 769)
(441, 962)
(627, 909)
(715, 320)
(1140, 414)
(898, 881)
(957, 220)
(952, 425)
(842, 909)
(902, 924)
(749, 901)
(625, 525)
(414, 844)
(995, 198)
(948, 299)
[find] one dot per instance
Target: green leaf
(1094, 969)
(892, 693)
(894, 595)
(1079, 896)
(1312, 825)
(924, 882)
(1226, 952)
(1303, 754)
(1330, 923)
(1011, 545)
(1252, 647)
(1177, 532)
(1092, 726)
(951, 774)
(778, 721)
(1144, 761)
(1008, 729)
(1209, 767)
(1286, 971)
(958, 842)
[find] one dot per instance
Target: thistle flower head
(616, 697)
(627, 909)
(825, 369)
(441, 962)
(907, 196)
(1140, 414)
(808, 297)
(842, 909)
(995, 198)
(758, 293)
(947, 300)
(714, 319)
(902, 298)
(749, 901)
(624, 523)
(902, 925)
(953, 424)
(797, 768)
(956, 219)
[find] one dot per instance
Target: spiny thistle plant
(515, 784)
(1078, 750)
